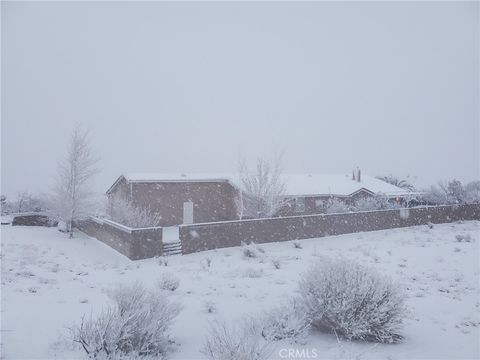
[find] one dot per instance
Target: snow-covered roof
(337, 184)
(296, 184)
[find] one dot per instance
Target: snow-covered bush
(335, 206)
(168, 282)
(366, 204)
(277, 264)
(243, 341)
(463, 238)
(297, 245)
(353, 301)
(135, 325)
(252, 250)
(285, 322)
(377, 202)
(124, 212)
(252, 273)
(249, 252)
(209, 306)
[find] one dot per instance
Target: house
(179, 198)
(197, 198)
(309, 194)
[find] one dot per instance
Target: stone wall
(200, 237)
(135, 244)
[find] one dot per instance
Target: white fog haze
(240, 180)
(189, 87)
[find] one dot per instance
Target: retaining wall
(135, 244)
(207, 236)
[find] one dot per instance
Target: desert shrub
(353, 301)
(376, 202)
(168, 282)
(285, 322)
(252, 273)
(335, 206)
(252, 250)
(366, 204)
(208, 261)
(135, 325)
(209, 306)
(124, 212)
(243, 341)
(463, 237)
(277, 264)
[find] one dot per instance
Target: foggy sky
(189, 87)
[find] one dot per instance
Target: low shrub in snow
(136, 325)
(297, 245)
(243, 341)
(168, 282)
(252, 250)
(206, 263)
(252, 273)
(366, 204)
(353, 301)
(286, 322)
(463, 237)
(209, 306)
(276, 263)
(335, 206)
(377, 202)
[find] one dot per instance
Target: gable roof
(295, 184)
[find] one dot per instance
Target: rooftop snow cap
(295, 184)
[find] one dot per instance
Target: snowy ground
(50, 281)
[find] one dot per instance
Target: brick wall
(212, 200)
(135, 244)
(139, 244)
(199, 237)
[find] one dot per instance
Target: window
(300, 204)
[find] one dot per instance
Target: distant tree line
(24, 202)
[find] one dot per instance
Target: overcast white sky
(187, 87)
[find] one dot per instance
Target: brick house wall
(212, 200)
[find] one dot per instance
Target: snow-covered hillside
(50, 281)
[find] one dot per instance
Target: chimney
(353, 174)
(359, 175)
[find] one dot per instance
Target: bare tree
(447, 192)
(27, 202)
(71, 196)
(262, 192)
